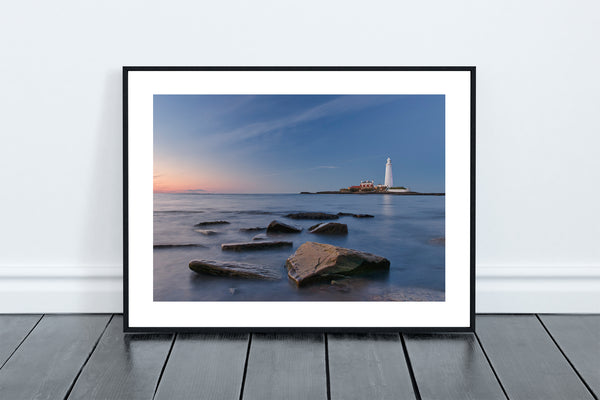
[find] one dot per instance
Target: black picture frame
(126, 181)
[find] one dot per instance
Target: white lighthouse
(389, 179)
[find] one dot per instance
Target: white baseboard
(48, 289)
(523, 290)
(93, 289)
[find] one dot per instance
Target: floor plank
(526, 360)
(13, 329)
(123, 366)
(46, 364)
(286, 366)
(579, 338)
(451, 366)
(205, 366)
(368, 366)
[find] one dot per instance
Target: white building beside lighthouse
(389, 179)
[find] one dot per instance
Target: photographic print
(290, 198)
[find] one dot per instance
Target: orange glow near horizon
(185, 184)
(173, 174)
(170, 181)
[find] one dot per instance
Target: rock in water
(280, 227)
(317, 261)
(206, 223)
(346, 214)
(260, 236)
(410, 294)
(438, 241)
(363, 216)
(234, 269)
(312, 215)
(172, 246)
(329, 228)
(257, 228)
(206, 232)
(256, 245)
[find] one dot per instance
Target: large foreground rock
(256, 245)
(317, 261)
(280, 227)
(234, 269)
(312, 215)
(329, 228)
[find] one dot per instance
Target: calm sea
(401, 231)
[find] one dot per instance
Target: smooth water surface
(401, 231)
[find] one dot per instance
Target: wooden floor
(511, 356)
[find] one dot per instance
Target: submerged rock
(256, 245)
(260, 236)
(347, 214)
(206, 232)
(329, 228)
(438, 241)
(280, 227)
(206, 223)
(317, 261)
(234, 269)
(410, 294)
(312, 215)
(255, 229)
(342, 286)
(363, 216)
(171, 246)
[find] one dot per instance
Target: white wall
(538, 127)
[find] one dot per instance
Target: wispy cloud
(325, 167)
(337, 106)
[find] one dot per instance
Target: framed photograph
(299, 198)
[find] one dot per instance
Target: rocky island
(369, 187)
(346, 191)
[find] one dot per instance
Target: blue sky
(293, 143)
